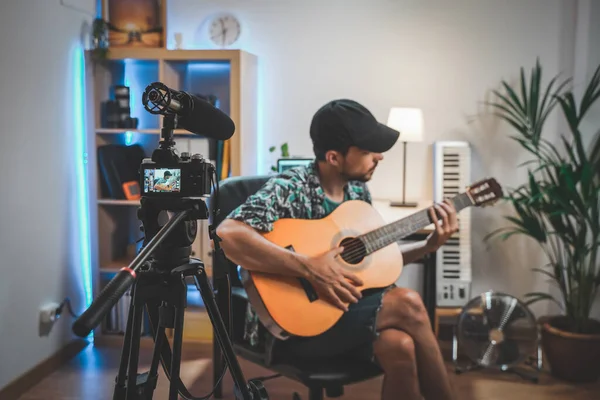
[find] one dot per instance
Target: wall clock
(224, 30)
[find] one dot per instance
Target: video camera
(170, 184)
(190, 176)
(166, 174)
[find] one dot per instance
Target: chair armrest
(239, 292)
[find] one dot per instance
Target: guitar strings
(357, 248)
(354, 251)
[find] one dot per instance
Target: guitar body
(290, 306)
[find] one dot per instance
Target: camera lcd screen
(159, 180)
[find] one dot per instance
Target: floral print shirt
(294, 193)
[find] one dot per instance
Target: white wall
(38, 215)
(442, 56)
(589, 52)
(590, 56)
(593, 62)
(594, 34)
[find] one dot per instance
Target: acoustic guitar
(291, 306)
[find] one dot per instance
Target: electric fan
(496, 330)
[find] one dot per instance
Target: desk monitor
(287, 163)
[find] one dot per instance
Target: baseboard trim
(23, 383)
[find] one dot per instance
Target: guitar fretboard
(395, 231)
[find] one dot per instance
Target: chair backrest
(233, 192)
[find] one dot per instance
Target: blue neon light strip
(81, 173)
(132, 98)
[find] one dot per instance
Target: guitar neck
(395, 231)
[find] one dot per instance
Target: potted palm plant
(559, 209)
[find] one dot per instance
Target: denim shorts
(352, 336)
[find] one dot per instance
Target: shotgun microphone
(193, 114)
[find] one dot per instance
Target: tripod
(159, 285)
(158, 273)
(163, 291)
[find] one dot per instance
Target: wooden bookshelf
(231, 75)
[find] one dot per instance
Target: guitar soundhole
(354, 250)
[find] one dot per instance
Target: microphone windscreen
(206, 120)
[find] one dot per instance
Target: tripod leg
(177, 344)
(208, 297)
(217, 367)
(119, 392)
(223, 303)
(134, 351)
(158, 343)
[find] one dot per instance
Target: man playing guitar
(387, 325)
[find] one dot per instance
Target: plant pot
(572, 357)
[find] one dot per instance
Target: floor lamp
(409, 122)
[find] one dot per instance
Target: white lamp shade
(407, 121)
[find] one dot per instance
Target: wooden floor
(90, 376)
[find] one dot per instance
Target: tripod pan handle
(107, 298)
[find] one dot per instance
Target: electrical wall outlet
(47, 317)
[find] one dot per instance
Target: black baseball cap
(342, 123)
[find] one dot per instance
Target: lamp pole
(403, 203)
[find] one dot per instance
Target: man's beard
(358, 177)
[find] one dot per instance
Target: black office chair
(323, 375)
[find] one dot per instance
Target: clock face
(225, 30)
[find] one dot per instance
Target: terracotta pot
(573, 357)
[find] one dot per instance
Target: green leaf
(591, 94)
(284, 150)
(526, 103)
(594, 155)
(272, 149)
(535, 189)
(569, 149)
(587, 176)
(541, 271)
(534, 297)
(514, 98)
(511, 115)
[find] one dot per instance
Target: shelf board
(156, 54)
(117, 202)
(120, 131)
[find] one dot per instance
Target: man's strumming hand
(332, 281)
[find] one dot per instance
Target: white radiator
(452, 175)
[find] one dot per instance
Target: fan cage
(497, 330)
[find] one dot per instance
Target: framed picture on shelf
(135, 23)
